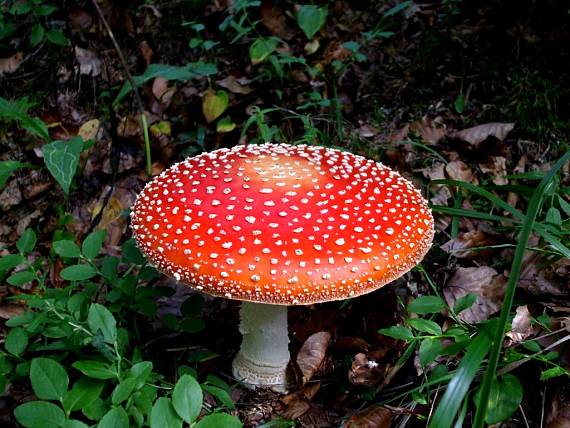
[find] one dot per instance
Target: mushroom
(276, 225)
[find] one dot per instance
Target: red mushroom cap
(282, 224)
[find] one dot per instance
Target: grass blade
(533, 208)
(459, 385)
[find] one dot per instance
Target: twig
(138, 98)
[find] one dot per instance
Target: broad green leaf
(426, 305)
(168, 72)
(163, 415)
(93, 243)
(10, 261)
(429, 350)
(83, 392)
(7, 168)
(95, 410)
(27, 241)
(554, 372)
(37, 35)
(39, 414)
(78, 272)
(221, 395)
(61, 159)
(397, 332)
(225, 125)
(187, 398)
(214, 104)
(311, 19)
(57, 38)
(100, 318)
(17, 111)
(16, 341)
(218, 420)
(74, 423)
(261, 49)
(131, 253)
(20, 278)
(115, 418)
(464, 302)
(44, 9)
(66, 248)
(504, 398)
(123, 390)
(141, 371)
(49, 378)
(426, 326)
(96, 369)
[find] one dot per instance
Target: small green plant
(82, 362)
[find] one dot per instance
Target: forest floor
(473, 94)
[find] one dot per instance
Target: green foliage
(62, 158)
(17, 111)
(7, 168)
(73, 347)
(311, 19)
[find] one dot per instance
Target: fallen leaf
(460, 245)
(521, 327)
(299, 403)
(497, 167)
(162, 92)
(480, 133)
(458, 170)
(146, 52)
(365, 372)
(437, 172)
(485, 282)
(89, 130)
(429, 130)
(372, 417)
(275, 20)
(89, 64)
(11, 64)
(214, 104)
(312, 354)
(234, 85)
(10, 311)
(543, 277)
(80, 19)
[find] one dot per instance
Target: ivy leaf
(214, 104)
(62, 158)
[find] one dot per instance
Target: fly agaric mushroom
(276, 225)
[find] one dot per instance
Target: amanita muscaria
(276, 225)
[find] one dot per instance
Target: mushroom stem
(264, 354)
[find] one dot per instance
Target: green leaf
(83, 392)
(141, 371)
(214, 104)
(16, 341)
(261, 49)
(168, 72)
(95, 410)
(225, 125)
(74, 423)
(131, 253)
(39, 414)
(553, 372)
(20, 278)
(397, 332)
(123, 390)
(95, 369)
(78, 272)
(100, 318)
(62, 158)
(163, 415)
(27, 241)
(425, 326)
(44, 10)
(187, 398)
(460, 103)
(429, 350)
(37, 35)
(49, 378)
(57, 38)
(217, 420)
(464, 303)
(7, 168)
(10, 261)
(311, 19)
(221, 395)
(66, 248)
(115, 418)
(93, 243)
(17, 111)
(504, 398)
(426, 305)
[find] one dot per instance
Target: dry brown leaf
(521, 328)
(146, 52)
(430, 131)
(10, 311)
(460, 245)
(275, 21)
(162, 92)
(89, 130)
(89, 64)
(485, 282)
(542, 277)
(11, 64)
(372, 417)
(558, 413)
(312, 354)
(497, 167)
(458, 170)
(480, 133)
(237, 86)
(365, 372)
(298, 403)
(437, 172)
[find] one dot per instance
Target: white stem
(264, 354)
